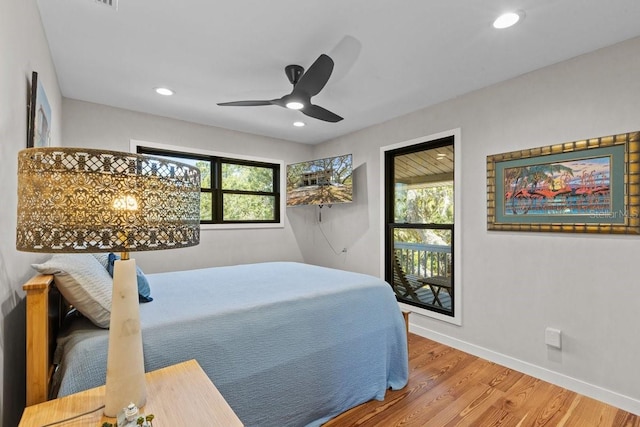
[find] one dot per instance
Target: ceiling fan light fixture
(508, 19)
(294, 105)
(164, 91)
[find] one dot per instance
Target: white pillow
(83, 282)
(103, 258)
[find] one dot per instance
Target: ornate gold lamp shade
(82, 200)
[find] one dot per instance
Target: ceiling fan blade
(279, 101)
(320, 113)
(314, 79)
(244, 103)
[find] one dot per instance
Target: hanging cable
(327, 239)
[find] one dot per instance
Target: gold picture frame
(587, 186)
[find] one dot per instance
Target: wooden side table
(181, 394)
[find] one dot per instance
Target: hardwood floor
(448, 387)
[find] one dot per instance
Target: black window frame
(216, 191)
(391, 225)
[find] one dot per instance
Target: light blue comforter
(287, 344)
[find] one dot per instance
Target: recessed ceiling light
(508, 19)
(164, 91)
(295, 105)
(298, 124)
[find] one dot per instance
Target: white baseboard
(610, 397)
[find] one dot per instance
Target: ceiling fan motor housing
(293, 73)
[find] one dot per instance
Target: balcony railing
(417, 263)
(422, 260)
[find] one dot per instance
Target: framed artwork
(588, 186)
(39, 120)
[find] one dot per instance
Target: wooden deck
(448, 387)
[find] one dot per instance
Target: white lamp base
(125, 360)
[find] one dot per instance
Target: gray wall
(98, 126)
(516, 284)
(23, 49)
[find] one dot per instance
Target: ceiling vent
(111, 3)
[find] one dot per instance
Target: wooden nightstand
(178, 395)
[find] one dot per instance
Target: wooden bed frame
(45, 311)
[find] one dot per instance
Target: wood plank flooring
(448, 387)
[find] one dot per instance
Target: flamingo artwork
(571, 187)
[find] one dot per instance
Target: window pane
(246, 178)
(205, 173)
(206, 213)
(203, 165)
(243, 207)
(423, 187)
(423, 266)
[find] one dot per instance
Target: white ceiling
(392, 57)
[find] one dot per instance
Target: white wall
(24, 49)
(98, 126)
(516, 284)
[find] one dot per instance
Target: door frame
(456, 319)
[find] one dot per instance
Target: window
(233, 191)
(419, 227)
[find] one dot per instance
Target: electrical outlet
(553, 337)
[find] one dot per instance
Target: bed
(287, 344)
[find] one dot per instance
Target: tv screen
(320, 182)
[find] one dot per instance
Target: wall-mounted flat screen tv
(320, 182)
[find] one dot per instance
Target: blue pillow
(144, 291)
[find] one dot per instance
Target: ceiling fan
(305, 85)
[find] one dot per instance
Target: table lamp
(84, 201)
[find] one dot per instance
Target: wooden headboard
(45, 312)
